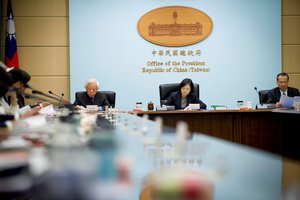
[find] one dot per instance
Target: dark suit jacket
(4, 118)
(21, 100)
(274, 94)
(82, 99)
(175, 100)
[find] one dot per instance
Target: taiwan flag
(11, 52)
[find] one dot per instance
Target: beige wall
(42, 30)
(291, 40)
(291, 65)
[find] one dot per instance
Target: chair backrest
(263, 96)
(165, 90)
(110, 95)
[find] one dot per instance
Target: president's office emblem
(175, 26)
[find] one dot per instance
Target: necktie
(92, 99)
(284, 93)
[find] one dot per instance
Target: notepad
(194, 106)
(286, 102)
(92, 108)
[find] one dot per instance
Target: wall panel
(42, 31)
(40, 7)
(52, 61)
(291, 40)
(57, 85)
(290, 7)
(294, 80)
(291, 30)
(291, 58)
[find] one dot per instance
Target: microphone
(60, 97)
(35, 97)
(43, 94)
(259, 97)
(37, 92)
(255, 88)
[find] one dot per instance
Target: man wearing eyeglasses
(91, 96)
(282, 89)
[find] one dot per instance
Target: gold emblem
(175, 26)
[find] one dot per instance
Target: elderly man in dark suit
(91, 96)
(282, 89)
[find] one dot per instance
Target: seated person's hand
(277, 105)
(77, 107)
(13, 97)
(187, 108)
(11, 94)
(33, 111)
(4, 133)
(44, 104)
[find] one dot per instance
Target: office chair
(165, 91)
(110, 95)
(263, 96)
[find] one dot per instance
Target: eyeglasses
(91, 89)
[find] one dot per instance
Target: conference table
(276, 131)
(114, 157)
(235, 171)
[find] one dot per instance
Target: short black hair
(282, 74)
(5, 77)
(25, 77)
(185, 82)
(16, 75)
(19, 75)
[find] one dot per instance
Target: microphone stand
(62, 94)
(260, 101)
(260, 105)
(31, 96)
(61, 100)
(60, 97)
(43, 94)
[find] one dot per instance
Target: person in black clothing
(184, 96)
(20, 80)
(282, 89)
(91, 97)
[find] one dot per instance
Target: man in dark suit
(282, 89)
(91, 96)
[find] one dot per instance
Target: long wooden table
(274, 131)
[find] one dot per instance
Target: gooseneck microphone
(260, 101)
(62, 94)
(37, 92)
(60, 97)
(36, 97)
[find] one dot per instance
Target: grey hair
(92, 80)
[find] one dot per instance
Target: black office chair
(110, 95)
(165, 91)
(263, 96)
